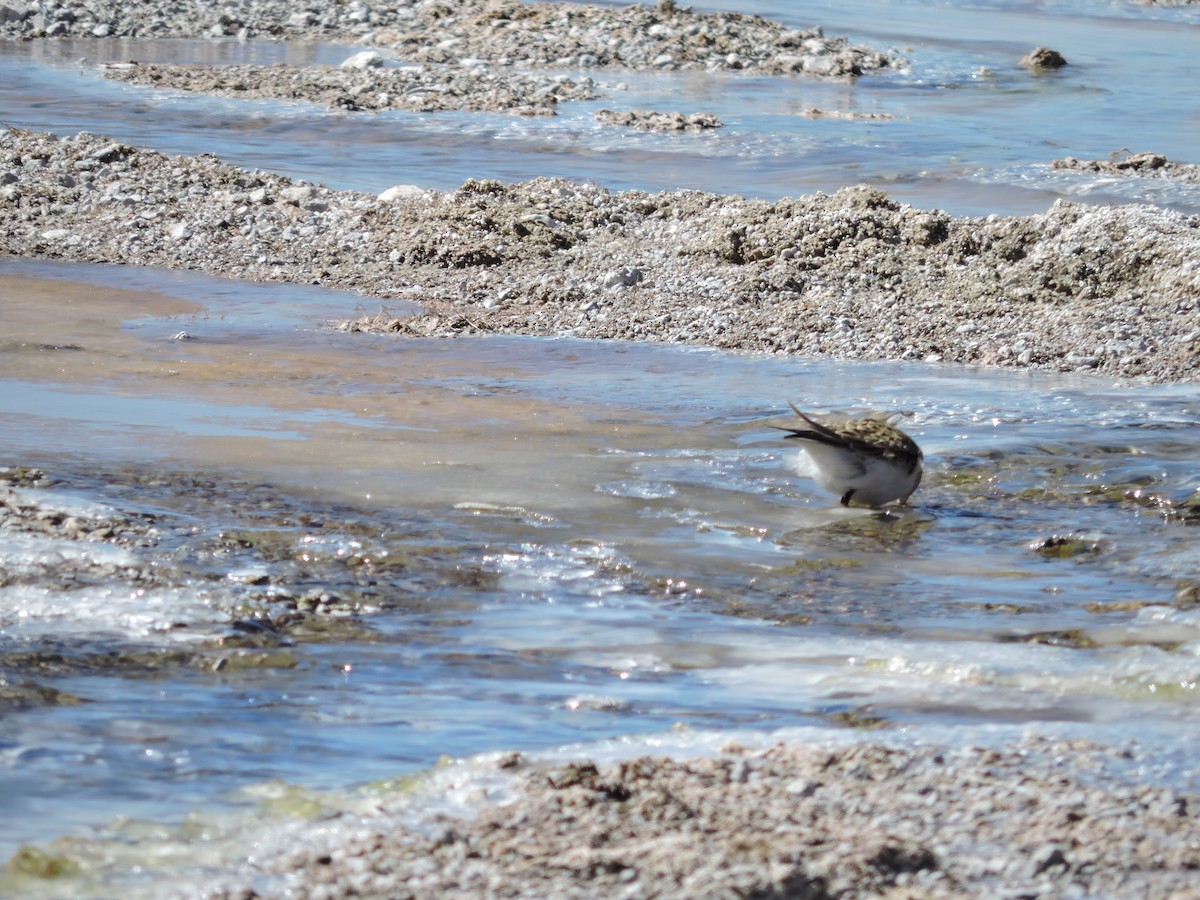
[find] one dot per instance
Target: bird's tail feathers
(814, 432)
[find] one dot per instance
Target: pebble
(1044, 59)
(367, 59)
(624, 278)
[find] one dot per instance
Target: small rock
(400, 192)
(12, 11)
(1044, 58)
(1082, 361)
(367, 59)
(623, 278)
(297, 193)
(1048, 857)
(1065, 546)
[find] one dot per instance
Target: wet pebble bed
(792, 820)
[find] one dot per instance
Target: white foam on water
(118, 611)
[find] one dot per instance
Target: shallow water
(589, 541)
(970, 130)
(527, 543)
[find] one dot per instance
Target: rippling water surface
(968, 129)
(585, 541)
(524, 543)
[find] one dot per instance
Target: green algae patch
(275, 800)
(247, 660)
(805, 566)
(20, 476)
(1075, 638)
(33, 862)
(295, 804)
(992, 606)
(862, 718)
(55, 663)
(794, 619)
(397, 786)
(1115, 606)
(1165, 691)
(1187, 595)
(28, 695)
(1066, 546)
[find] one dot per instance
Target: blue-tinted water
(646, 557)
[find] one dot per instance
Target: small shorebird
(866, 461)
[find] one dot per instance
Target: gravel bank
(1140, 165)
(851, 275)
(648, 120)
(662, 36)
(797, 821)
(419, 89)
(504, 32)
(467, 51)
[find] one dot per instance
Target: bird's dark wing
(869, 436)
(823, 434)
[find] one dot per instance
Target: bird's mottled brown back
(889, 440)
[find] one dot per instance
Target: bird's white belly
(874, 481)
